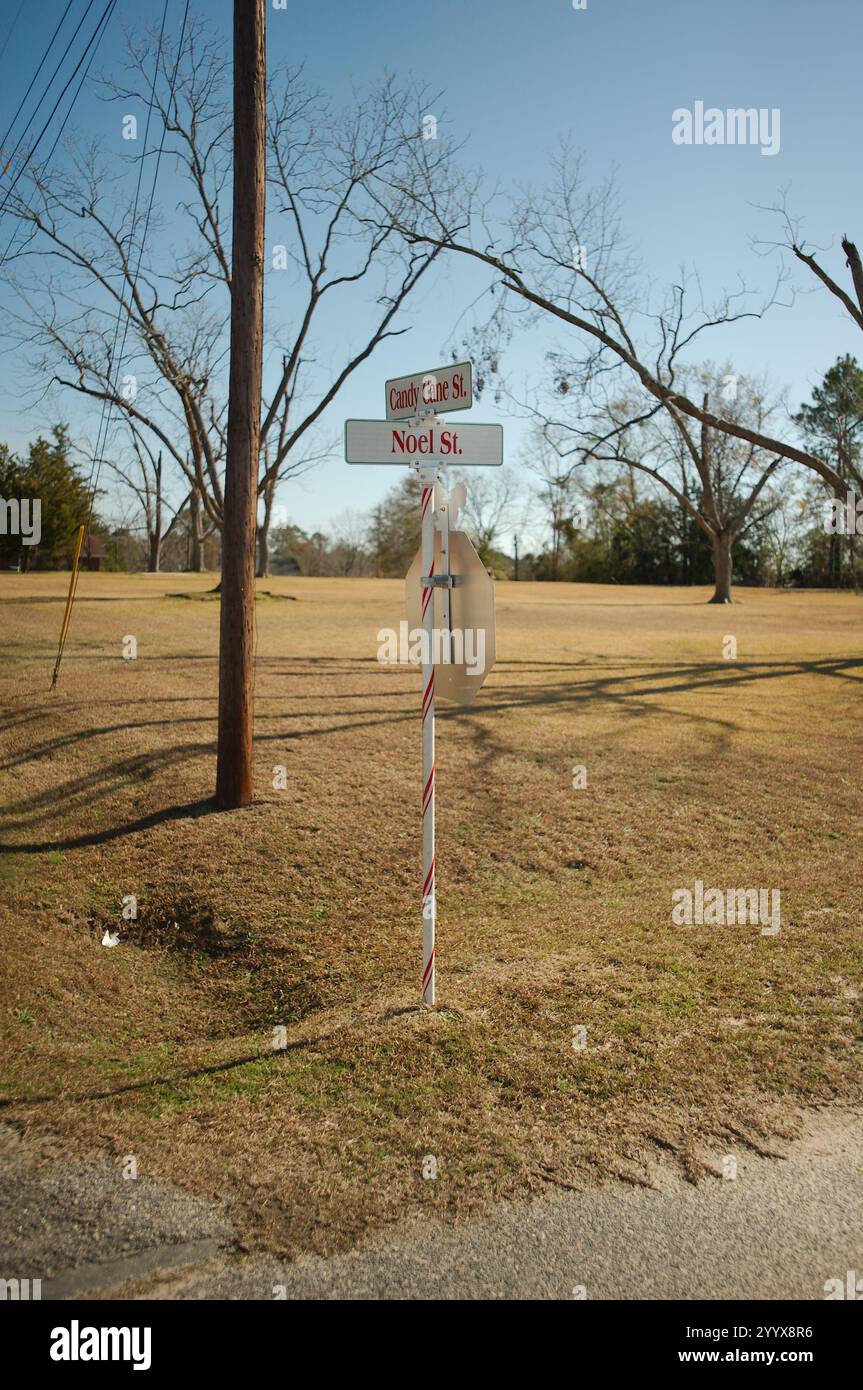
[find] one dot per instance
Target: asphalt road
(781, 1229)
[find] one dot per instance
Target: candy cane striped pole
(428, 609)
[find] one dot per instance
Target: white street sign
(382, 441)
(445, 389)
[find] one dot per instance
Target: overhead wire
(33, 79)
(106, 19)
(12, 28)
(109, 6)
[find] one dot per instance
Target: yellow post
(73, 584)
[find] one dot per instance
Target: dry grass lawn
(554, 903)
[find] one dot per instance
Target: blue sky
(517, 78)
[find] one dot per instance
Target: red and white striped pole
(427, 510)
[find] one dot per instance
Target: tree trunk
(263, 569)
(722, 567)
(835, 561)
(156, 530)
(686, 540)
(237, 616)
(264, 550)
(196, 534)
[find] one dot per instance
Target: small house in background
(93, 552)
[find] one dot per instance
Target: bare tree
(562, 254)
(781, 534)
(348, 544)
(556, 468)
(793, 240)
(144, 478)
(489, 500)
(718, 479)
(141, 327)
(267, 495)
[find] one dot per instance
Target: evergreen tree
(46, 476)
(832, 425)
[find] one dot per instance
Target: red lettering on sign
(434, 392)
(415, 443)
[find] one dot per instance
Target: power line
(12, 29)
(32, 84)
(65, 120)
(109, 6)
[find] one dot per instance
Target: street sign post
(450, 596)
(429, 894)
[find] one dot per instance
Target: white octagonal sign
(465, 653)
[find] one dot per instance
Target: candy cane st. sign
(443, 390)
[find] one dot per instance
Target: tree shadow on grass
(190, 810)
(637, 695)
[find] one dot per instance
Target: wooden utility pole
(237, 621)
